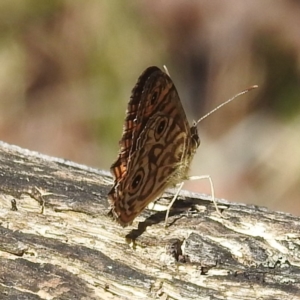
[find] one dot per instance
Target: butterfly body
(156, 148)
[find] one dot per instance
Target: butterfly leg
(172, 201)
(180, 188)
(211, 188)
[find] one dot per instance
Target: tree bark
(58, 242)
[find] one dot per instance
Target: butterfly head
(195, 139)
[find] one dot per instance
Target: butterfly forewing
(156, 146)
(130, 126)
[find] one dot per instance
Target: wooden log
(57, 241)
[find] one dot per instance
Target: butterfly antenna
(226, 102)
(166, 70)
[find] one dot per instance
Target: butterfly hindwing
(155, 148)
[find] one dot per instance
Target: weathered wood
(71, 249)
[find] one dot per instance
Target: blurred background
(67, 69)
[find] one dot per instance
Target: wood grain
(60, 243)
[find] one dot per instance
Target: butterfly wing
(155, 145)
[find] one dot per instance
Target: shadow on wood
(57, 242)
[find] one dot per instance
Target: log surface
(57, 241)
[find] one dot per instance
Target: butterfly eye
(154, 97)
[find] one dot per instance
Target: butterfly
(156, 148)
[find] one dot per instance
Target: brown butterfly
(157, 146)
